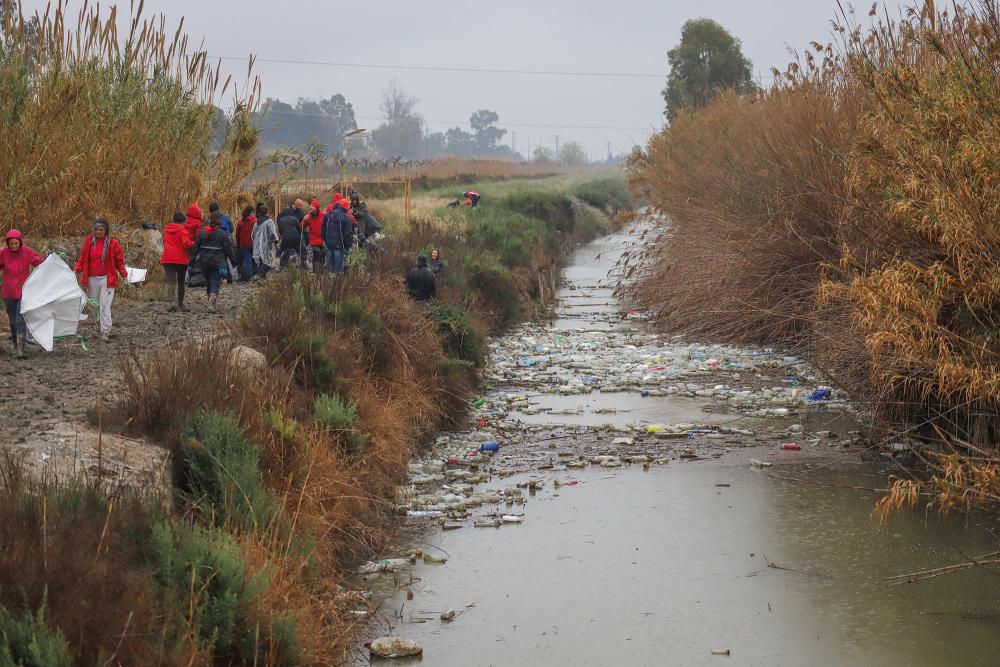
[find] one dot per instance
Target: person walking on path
(99, 267)
(176, 254)
(16, 262)
(437, 264)
(244, 242)
(211, 250)
(291, 237)
(420, 282)
(194, 221)
(338, 236)
(265, 240)
(312, 230)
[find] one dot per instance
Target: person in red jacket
(176, 249)
(16, 262)
(313, 223)
(244, 243)
(194, 221)
(101, 262)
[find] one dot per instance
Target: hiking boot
(19, 348)
(182, 308)
(105, 338)
(172, 308)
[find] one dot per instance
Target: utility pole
(557, 147)
(609, 152)
(513, 142)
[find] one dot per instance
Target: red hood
(194, 212)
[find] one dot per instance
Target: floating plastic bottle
(491, 446)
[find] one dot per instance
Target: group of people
(195, 251)
(198, 251)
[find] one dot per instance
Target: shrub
(332, 411)
(317, 368)
(342, 418)
(610, 194)
(28, 641)
(205, 588)
(462, 341)
(496, 286)
(220, 473)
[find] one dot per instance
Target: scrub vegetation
(849, 211)
(284, 473)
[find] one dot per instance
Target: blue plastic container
(491, 446)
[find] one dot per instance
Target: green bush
(317, 366)
(28, 641)
(220, 473)
(332, 411)
(354, 313)
(509, 235)
(351, 312)
(462, 341)
(496, 286)
(609, 193)
(342, 418)
(203, 585)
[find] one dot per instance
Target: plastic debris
(757, 463)
(492, 446)
(791, 447)
(385, 565)
(448, 616)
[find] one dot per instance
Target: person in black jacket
(291, 236)
(212, 248)
(338, 236)
(420, 282)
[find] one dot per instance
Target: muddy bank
(651, 501)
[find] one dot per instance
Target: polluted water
(622, 497)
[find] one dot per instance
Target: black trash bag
(195, 277)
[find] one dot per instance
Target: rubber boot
(19, 354)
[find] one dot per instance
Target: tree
(397, 105)
(707, 59)
(308, 121)
(488, 135)
(542, 154)
(402, 132)
(573, 154)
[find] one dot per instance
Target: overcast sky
(624, 36)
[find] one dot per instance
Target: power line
(460, 122)
(466, 70)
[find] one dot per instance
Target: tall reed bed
(93, 122)
(850, 210)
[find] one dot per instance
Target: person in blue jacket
(338, 236)
(225, 224)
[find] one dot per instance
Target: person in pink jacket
(16, 262)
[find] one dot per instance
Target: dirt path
(44, 399)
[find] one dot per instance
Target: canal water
(710, 562)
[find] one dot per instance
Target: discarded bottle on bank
(791, 447)
(491, 446)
